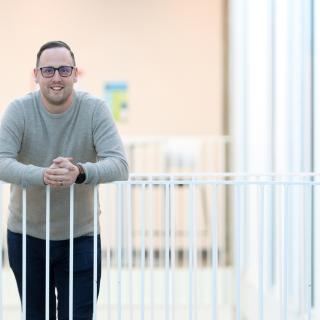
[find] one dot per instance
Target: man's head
(56, 74)
(54, 44)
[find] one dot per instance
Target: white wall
(170, 52)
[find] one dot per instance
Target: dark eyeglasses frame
(59, 70)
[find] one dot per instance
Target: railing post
(24, 254)
(142, 253)
(167, 253)
(108, 248)
(151, 247)
(129, 233)
(1, 252)
(261, 252)
(284, 271)
(308, 249)
(71, 252)
(192, 253)
(95, 250)
(214, 240)
(47, 252)
(237, 246)
(119, 249)
(172, 245)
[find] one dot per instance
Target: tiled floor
(108, 307)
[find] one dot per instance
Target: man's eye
(47, 70)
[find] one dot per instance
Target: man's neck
(54, 108)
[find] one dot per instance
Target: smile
(56, 88)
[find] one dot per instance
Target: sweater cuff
(34, 176)
(90, 171)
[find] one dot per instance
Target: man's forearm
(18, 173)
(106, 170)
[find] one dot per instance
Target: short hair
(54, 44)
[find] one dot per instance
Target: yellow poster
(117, 99)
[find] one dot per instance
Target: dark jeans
(59, 276)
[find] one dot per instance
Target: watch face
(81, 178)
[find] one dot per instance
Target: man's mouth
(56, 88)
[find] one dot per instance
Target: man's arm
(111, 162)
(11, 134)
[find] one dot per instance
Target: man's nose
(56, 75)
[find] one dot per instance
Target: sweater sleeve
(11, 135)
(111, 162)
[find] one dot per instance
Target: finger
(56, 176)
(53, 183)
(65, 163)
(57, 171)
(60, 159)
(54, 180)
(54, 166)
(58, 183)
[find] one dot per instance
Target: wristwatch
(82, 175)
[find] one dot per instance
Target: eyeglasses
(64, 71)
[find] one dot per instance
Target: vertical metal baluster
(142, 253)
(191, 251)
(108, 248)
(195, 252)
(308, 249)
(166, 228)
(1, 250)
(129, 230)
(284, 295)
(301, 248)
(271, 251)
(24, 253)
(119, 244)
(214, 235)
(151, 248)
(47, 251)
(95, 251)
(261, 251)
(172, 245)
(71, 252)
(237, 255)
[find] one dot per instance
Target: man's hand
(62, 173)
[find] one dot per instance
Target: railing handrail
(195, 177)
(224, 174)
(141, 139)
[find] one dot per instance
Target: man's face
(57, 90)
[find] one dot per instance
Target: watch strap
(82, 175)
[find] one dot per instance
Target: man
(57, 136)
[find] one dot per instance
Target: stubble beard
(57, 98)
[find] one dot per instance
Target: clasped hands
(62, 173)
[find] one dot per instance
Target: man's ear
(75, 78)
(35, 73)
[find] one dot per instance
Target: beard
(59, 97)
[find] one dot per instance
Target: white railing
(164, 257)
(178, 153)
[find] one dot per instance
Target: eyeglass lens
(64, 71)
